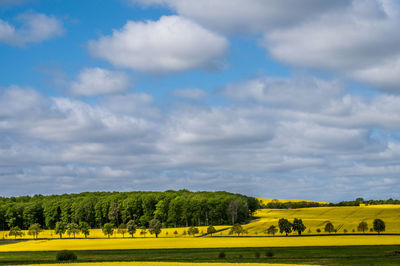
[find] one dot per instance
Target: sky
(269, 98)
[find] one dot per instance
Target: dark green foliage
(298, 226)
(272, 230)
(284, 226)
(171, 208)
(193, 230)
(34, 230)
(257, 254)
(211, 230)
(362, 227)
(237, 229)
(85, 229)
(221, 255)
(131, 226)
(66, 255)
(108, 229)
(155, 227)
(60, 228)
(329, 227)
(379, 226)
(15, 231)
(269, 253)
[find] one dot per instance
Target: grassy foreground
(352, 255)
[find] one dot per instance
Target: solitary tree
(298, 226)
(362, 227)
(237, 229)
(108, 229)
(60, 228)
(122, 229)
(85, 229)
(175, 233)
(155, 227)
(73, 228)
(16, 231)
(379, 226)
(131, 226)
(284, 226)
(211, 230)
(193, 230)
(272, 230)
(329, 227)
(34, 230)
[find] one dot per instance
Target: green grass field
(354, 255)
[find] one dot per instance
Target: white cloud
(261, 142)
(171, 44)
(97, 81)
(247, 16)
(362, 43)
(34, 27)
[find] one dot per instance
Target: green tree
(176, 233)
(122, 229)
(85, 229)
(72, 228)
(272, 230)
(284, 226)
(60, 228)
(362, 227)
(237, 229)
(298, 226)
(143, 232)
(193, 230)
(211, 230)
(108, 229)
(113, 214)
(329, 227)
(131, 226)
(155, 227)
(34, 230)
(16, 231)
(379, 226)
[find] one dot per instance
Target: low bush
(66, 255)
(257, 254)
(221, 255)
(269, 253)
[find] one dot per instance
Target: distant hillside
(266, 201)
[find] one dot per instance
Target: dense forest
(172, 208)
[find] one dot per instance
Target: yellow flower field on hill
(204, 242)
(266, 201)
(343, 218)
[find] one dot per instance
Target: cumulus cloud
(171, 44)
(97, 81)
(244, 16)
(362, 43)
(34, 27)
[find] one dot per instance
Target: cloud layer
(263, 139)
(171, 44)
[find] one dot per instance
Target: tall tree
(237, 229)
(284, 226)
(155, 227)
(60, 228)
(379, 226)
(362, 227)
(108, 229)
(233, 209)
(85, 228)
(329, 227)
(193, 231)
(34, 230)
(16, 231)
(73, 228)
(113, 214)
(122, 229)
(211, 230)
(272, 230)
(131, 226)
(298, 226)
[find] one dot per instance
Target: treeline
(275, 204)
(171, 208)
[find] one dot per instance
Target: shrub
(257, 254)
(221, 255)
(345, 231)
(240, 256)
(269, 253)
(318, 230)
(66, 255)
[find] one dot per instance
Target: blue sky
(268, 98)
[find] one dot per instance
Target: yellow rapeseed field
(203, 242)
(266, 201)
(98, 233)
(343, 218)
